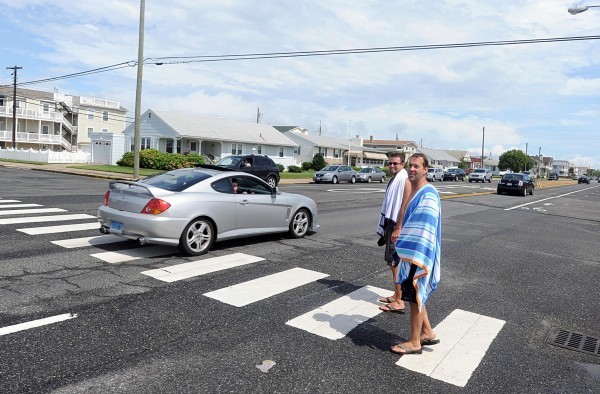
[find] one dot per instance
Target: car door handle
(244, 202)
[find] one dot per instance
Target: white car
(434, 174)
(480, 175)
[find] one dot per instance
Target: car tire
(531, 192)
(353, 179)
(272, 181)
(382, 179)
(470, 181)
(498, 191)
(524, 191)
(490, 180)
(334, 180)
(369, 180)
(300, 223)
(197, 237)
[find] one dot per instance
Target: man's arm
(405, 194)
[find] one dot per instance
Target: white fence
(46, 156)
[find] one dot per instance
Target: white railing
(32, 114)
(35, 138)
(45, 156)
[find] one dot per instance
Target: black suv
(260, 166)
(454, 174)
(583, 179)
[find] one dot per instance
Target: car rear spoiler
(150, 191)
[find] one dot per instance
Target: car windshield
(452, 170)
(479, 171)
(430, 170)
(229, 161)
(330, 168)
(177, 180)
(509, 177)
(365, 170)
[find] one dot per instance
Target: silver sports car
(194, 207)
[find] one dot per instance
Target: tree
(515, 160)
(318, 162)
(462, 165)
(571, 171)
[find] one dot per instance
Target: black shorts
(409, 293)
(390, 247)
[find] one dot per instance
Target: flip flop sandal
(406, 349)
(386, 300)
(391, 309)
(429, 342)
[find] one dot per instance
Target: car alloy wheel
(272, 181)
(531, 192)
(383, 179)
(334, 180)
(197, 237)
(300, 223)
(524, 191)
(353, 179)
(369, 180)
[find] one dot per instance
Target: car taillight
(106, 198)
(156, 206)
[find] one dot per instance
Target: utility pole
(482, 144)
(539, 160)
(526, 161)
(137, 143)
(258, 115)
(14, 118)
(349, 127)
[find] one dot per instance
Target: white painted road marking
(3, 206)
(201, 267)
(464, 339)
(40, 219)
(544, 199)
(89, 241)
(258, 289)
(337, 318)
(59, 229)
(5, 201)
(134, 254)
(35, 210)
(36, 323)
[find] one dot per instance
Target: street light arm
(581, 8)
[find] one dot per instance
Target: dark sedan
(454, 174)
(516, 183)
(583, 179)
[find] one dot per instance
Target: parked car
(481, 175)
(335, 174)
(553, 176)
(530, 173)
(261, 166)
(194, 207)
(583, 179)
(454, 174)
(516, 183)
(370, 174)
(434, 174)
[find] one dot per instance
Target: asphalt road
(530, 263)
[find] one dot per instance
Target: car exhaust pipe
(141, 241)
(103, 230)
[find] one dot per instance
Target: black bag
(409, 293)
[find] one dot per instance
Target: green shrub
(318, 162)
(154, 159)
(294, 169)
(307, 165)
(281, 167)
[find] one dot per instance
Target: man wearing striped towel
(390, 212)
(418, 244)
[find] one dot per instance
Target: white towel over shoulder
(392, 200)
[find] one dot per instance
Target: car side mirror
(274, 191)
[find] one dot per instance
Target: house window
(90, 115)
(144, 143)
(18, 104)
(281, 151)
(2, 100)
(46, 107)
(236, 149)
(194, 146)
(90, 131)
(336, 153)
(105, 130)
(1, 125)
(259, 149)
(149, 115)
(45, 129)
(105, 116)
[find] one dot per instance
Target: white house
(176, 132)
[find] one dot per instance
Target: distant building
(56, 121)
(390, 146)
(439, 158)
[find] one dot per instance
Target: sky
(542, 97)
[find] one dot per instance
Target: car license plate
(116, 227)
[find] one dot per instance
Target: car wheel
(272, 181)
(531, 192)
(300, 223)
(525, 191)
(369, 180)
(353, 179)
(498, 191)
(334, 180)
(490, 180)
(383, 179)
(197, 237)
(470, 181)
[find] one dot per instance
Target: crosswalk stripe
(134, 254)
(3, 206)
(89, 241)
(40, 219)
(201, 267)
(258, 289)
(36, 210)
(464, 340)
(5, 201)
(337, 318)
(36, 323)
(59, 229)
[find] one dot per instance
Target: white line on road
(59, 229)
(258, 289)
(5, 201)
(40, 219)
(201, 267)
(89, 241)
(27, 211)
(3, 206)
(464, 339)
(337, 318)
(545, 199)
(134, 254)
(36, 323)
